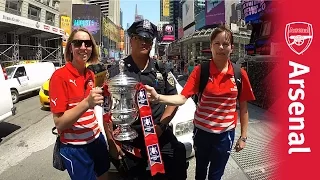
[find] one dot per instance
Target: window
(50, 18)
(13, 7)
(20, 72)
(46, 2)
(34, 12)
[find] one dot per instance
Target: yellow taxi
(100, 74)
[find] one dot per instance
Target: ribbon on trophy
(150, 135)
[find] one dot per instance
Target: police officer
(146, 70)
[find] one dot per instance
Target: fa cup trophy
(123, 107)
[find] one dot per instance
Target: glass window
(34, 11)
(50, 17)
(20, 72)
(9, 71)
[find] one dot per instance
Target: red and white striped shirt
(67, 89)
(216, 112)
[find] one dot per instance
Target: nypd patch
(170, 79)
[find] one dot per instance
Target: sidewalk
(258, 160)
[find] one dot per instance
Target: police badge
(170, 79)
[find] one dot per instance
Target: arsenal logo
(299, 36)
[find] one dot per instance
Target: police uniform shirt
(162, 81)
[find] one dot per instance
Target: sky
(149, 9)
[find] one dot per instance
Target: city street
(27, 144)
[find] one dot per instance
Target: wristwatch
(162, 126)
(244, 139)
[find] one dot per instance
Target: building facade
(29, 30)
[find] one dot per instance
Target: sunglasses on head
(78, 43)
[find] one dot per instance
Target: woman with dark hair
(72, 99)
(215, 118)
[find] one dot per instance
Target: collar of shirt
(214, 70)
(74, 71)
(131, 65)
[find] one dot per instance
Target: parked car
(6, 106)
(26, 78)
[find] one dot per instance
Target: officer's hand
(158, 130)
(115, 150)
(95, 98)
(152, 93)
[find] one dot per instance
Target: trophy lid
(122, 79)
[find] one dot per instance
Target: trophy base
(126, 133)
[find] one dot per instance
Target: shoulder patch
(170, 79)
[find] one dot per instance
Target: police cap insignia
(143, 28)
(170, 79)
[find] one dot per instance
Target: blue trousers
(86, 161)
(214, 149)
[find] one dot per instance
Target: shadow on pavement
(45, 108)
(6, 129)
(28, 95)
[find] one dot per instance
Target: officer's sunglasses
(142, 39)
(78, 43)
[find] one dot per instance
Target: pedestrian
(72, 98)
(190, 67)
(147, 71)
(216, 116)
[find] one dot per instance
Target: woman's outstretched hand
(152, 94)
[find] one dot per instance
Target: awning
(25, 22)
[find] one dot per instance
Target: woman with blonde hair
(72, 99)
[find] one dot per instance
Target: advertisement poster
(65, 24)
(165, 7)
(215, 12)
(168, 32)
(187, 13)
(89, 17)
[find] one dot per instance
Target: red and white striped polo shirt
(67, 89)
(216, 112)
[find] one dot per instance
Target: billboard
(252, 10)
(165, 7)
(89, 17)
(110, 30)
(168, 32)
(187, 13)
(200, 20)
(215, 12)
(65, 24)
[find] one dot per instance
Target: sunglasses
(143, 39)
(78, 43)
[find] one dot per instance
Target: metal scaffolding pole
(39, 49)
(15, 54)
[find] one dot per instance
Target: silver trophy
(123, 107)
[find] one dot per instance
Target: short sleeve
(192, 85)
(58, 94)
(170, 84)
(246, 91)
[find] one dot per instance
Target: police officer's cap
(143, 28)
